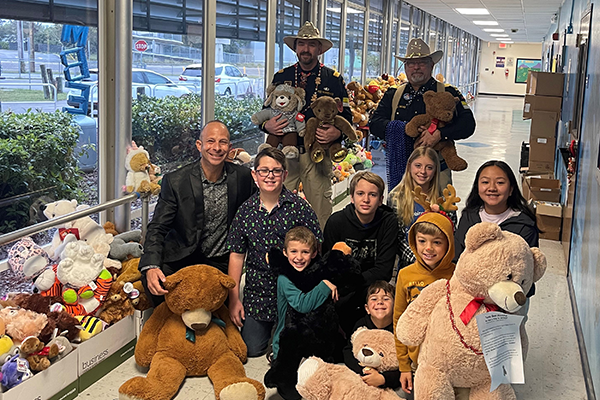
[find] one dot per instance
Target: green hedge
(37, 154)
(168, 127)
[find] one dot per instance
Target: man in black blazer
(194, 211)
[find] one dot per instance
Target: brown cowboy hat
(417, 48)
(308, 32)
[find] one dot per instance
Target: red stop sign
(141, 45)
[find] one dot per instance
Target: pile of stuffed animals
(86, 280)
(357, 159)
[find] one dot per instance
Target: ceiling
(530, 17)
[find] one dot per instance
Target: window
(333, 32)
(355, 26)
(374, 46)
(155, 79)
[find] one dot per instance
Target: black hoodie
(374, 246)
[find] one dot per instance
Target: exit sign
(501, 45)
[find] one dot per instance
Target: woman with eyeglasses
(260, 224)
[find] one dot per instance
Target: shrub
(168, 127)
(37, 157)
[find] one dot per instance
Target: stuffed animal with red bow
(494, 272)
(439, 111)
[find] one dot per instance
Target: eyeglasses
(412, 64)
(265, 172)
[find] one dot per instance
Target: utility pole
(31, 47)
(20, 48)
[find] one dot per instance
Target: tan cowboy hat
(417, 48)
(308, 32)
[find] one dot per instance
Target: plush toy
(138, 297)
(239, 156)
(155, 174)
(30, 261)
(439, 109)
(373, 348)
(130, 271)
(495, 271)
(90, 326)
(66, 233)
(126, 245)
(37, 354)
(109, 227)
(316, 332)
(326, 111)
(118, 304)
(64, 346)
(191, 334)
(7, 346)
(15, 371)
(286, 101)
(21, 323)
(137, 164)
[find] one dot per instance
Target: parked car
(229, 80)
(152, 83)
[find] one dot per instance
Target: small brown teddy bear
(326, 111)
(37, 354)
(440, 107)
(191, 334)
(496, 266)
(117, 304)
(285, 101)
(373, 348)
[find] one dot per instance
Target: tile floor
(553, 367)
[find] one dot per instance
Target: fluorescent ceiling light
(499, 35)
(490, 23)
(507, 41)
(504, 38)
(493, 30)
(472, 11)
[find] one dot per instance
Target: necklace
(304, 79)
(460, 336)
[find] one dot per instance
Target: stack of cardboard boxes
(543, 101)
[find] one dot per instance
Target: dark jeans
(256, 335)
(197, 257)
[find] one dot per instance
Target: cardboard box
(140, 318)
(545, 83)
(549, 219)
(543, 124)
(540, 103)
(339, 191)
(541, 189)
(105, 351)
(542, 150)
(541, 167)
(59, 382)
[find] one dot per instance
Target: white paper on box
(501, 345)
(527, 107)
(542, 140)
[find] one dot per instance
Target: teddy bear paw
(239, 391)
(307, 369)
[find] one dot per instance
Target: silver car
(229, 80)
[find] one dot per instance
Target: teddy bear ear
(358, 332)
(172, 281)
(539, 264)
(481, 233)
(226, 281)
(429, 94)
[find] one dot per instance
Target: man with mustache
(196, 206)
(399, 106)
(317, 80)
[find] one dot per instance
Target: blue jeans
(256, 335)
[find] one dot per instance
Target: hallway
(553, 367)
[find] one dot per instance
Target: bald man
(194, 211)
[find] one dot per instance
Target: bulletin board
(524, 65)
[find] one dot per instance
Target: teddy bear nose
(199, 326)
(520, 298)
(367, 352)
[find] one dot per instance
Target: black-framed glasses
(263, 172)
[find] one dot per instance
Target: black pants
(197, 257)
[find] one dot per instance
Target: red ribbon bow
(472, 308)
(63, 232)
(45, 352)
(434, 125)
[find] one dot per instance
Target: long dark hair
(515, 201)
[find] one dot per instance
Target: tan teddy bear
(440, 107)
(496, 266)
(326, 111)
(138, 164)
(191, 334)
(373, 348)
(284, 101)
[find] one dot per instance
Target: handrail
(54, 90)
(42, 226)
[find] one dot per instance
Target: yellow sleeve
(400, 304)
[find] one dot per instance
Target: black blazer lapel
(196, 184)
(232, 192)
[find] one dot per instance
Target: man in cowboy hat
(400, 105)
(317, 80)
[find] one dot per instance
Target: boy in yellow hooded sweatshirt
(431, 239)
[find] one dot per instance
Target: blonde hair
(370, 177)
(405, 199)
(303, 235)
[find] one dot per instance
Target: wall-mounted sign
(500, 62)
(510, 62)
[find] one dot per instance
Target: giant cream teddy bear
(496, 269)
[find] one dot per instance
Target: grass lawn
(8, 95)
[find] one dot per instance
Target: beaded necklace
(455, 328)
(317, 81)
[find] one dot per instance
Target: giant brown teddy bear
(440, 107)
(191, 334)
